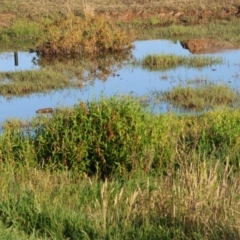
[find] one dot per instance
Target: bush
(83, 35)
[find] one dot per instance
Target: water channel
(129, 79)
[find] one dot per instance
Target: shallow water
(129, 79)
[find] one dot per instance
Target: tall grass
(163, 176)
(118, 136)
(200, 201)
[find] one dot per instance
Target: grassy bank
(114, 170)
(184, 20)
(22, 31)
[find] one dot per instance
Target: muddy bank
(206, 45)
(164, 13)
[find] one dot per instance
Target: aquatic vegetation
(30, 81)
(61, 72)
(168, 61)
(205, 96)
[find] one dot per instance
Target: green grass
(199, 202)
(30, 81)
(89, 136)
(201, 97)
(32, 18)
(163, 176)
(168, 61)
(225, 30)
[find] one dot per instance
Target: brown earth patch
(188, 15)
(164, 13)
(206, 45)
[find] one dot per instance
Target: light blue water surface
(130, 79)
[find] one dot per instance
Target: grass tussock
(164, 175)
(30, 81)
(168, 61)
(84, 35)
(207, 96)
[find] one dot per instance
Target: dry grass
(83, 36)
(54, 6)
(200, 202)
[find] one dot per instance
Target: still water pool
(129, 79)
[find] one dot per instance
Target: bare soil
(205, 45)
(186, 11)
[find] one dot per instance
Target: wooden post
(16, 58)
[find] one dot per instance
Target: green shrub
(118, 136)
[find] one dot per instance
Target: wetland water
(129, 79)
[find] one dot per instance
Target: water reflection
(25, 61)
(87, 68)
(115, 75)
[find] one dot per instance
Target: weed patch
(26, 82)
(207, 96)
(119, 136)
(168, 61)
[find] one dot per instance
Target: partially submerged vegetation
(174, 176)
(60, 72)
(31, 81)
(168, 61)
(201, 97)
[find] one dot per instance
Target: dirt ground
(185, 11)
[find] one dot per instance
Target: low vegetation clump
(30, 81)
(84, 35)
(164, 175)
(89, 136)
(206, 96)
(168, 61)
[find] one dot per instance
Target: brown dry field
(125, 10)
